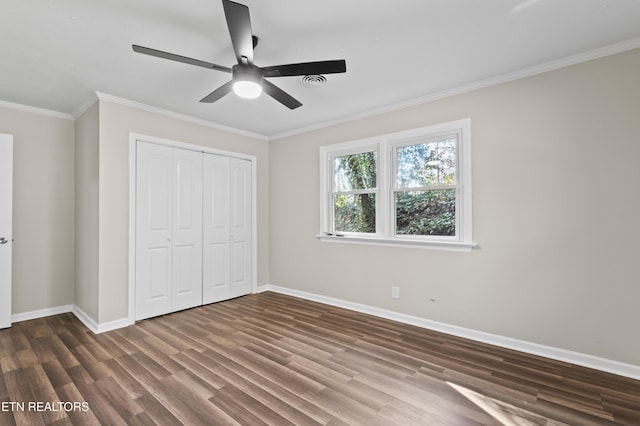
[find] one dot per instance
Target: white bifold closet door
(227, 228)
(168, 229)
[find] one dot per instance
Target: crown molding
(179, 116)
(83, 107)
(35, 110)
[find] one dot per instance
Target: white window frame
(386, 146)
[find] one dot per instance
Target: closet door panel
(215, 228)
(219, 262)
(153, 229)
(241, 227)
(187, 229)
(159, 259)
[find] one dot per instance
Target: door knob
(3, 240)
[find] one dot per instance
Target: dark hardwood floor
(274, 359)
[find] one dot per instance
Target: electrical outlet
(395, 292)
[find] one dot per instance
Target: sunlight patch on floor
(506, 414)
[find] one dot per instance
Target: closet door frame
(134, 138)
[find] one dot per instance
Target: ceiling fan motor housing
(242, 72)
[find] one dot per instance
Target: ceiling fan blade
(306, 68)
(280, 95)
(178, 58)
(239, 24)
(225, 89)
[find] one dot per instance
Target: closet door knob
(3, 240)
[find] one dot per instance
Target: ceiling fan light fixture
(247, 89)
(247, 82)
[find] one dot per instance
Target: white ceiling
(56, 54)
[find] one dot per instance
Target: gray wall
(43, 209)
(86, 187)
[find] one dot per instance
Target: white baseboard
(40, 313)
(113, 325)
(577, 358)
(96, 328)
(84, 318)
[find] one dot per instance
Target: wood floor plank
(129, 384)
(68, 339)
(187, 406)
(278, 360)
(273, 371)
(112, 394)
(344, 407)
(60, 350)
(116, 344)
(154, 410)
(271, 352)
(4, 392)
(95, 369)
(191, 365)
(43, 390)
(319, 373)
(21, 394)
(100, 407)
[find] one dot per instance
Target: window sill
(407, 243)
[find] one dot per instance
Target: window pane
(426, 164)
(355, 171)
(355, 213)
(426, 212)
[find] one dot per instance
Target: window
(409, 188)
(425, 187)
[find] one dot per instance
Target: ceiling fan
(247, 79)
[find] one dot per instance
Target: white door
(153, 230)
(227, 228)
(6, 195)
(187, 229)
(168, 230)
(241, 263)
(215, 228)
